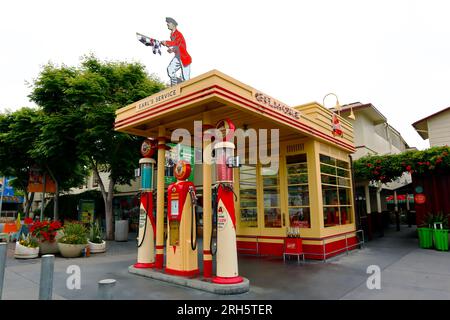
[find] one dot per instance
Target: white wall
(439, 129)
(374, 139)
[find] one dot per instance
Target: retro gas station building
(312, 189)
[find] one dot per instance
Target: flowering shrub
(45, 230)
(390, 167)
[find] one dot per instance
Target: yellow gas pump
(181, 246)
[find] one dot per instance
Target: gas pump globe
(147, 168)
(224, 162)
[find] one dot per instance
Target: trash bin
(425, 237)
(441, 239)
(121, 230)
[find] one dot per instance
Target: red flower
(369, 165)
(408, 168)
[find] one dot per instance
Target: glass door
(248, 205)
(298, 191)
(273, 219)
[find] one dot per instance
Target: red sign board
(420, 198)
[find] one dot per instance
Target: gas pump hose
(193, 214)
(214, 225)
(145, 225)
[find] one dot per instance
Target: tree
(28, 138)
(18, 132)
(88, 96)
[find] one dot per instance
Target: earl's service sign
(156, 99)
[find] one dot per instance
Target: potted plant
(74, 240)
(438, 223)
(47, 234)
(26, 248)
(96, 242)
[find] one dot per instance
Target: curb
(199, 284)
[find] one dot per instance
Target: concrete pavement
(407, 272)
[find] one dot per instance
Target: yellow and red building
(311, 189)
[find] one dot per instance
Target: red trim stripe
(297, 124)
(182, 272)
(303, 238)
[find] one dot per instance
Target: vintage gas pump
(226, 255)
(146, 238)
(181, 247)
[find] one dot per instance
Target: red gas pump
(226, 255)
(181, 247)
(146, 239)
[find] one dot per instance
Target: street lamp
(338, 106)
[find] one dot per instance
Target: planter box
(441, 239)
(121, 230)
(71, 250)
(425, 237)
(48, 247)
(23, 252)
(97, 247)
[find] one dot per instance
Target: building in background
(11, 201)
(375, 136)
(436, 128)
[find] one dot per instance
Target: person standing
(182, 59)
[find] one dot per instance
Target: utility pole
(43, 199)
(2, 185)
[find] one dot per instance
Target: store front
(309, 188)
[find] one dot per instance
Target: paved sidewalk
(407, 272)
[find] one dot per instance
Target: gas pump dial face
(148, 148)
(182, 170)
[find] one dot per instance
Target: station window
(298, 192)
(271, 194)
(336, 193)
(248, 200)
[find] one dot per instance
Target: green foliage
(18, 132)
(95, 234)
(440, 217)
(28, 241)
(388, 168)
(68, 205)
(74, 233)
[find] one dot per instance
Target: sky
(394, 54)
